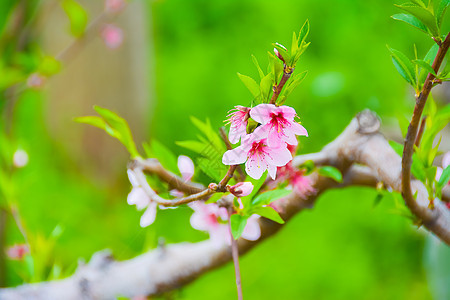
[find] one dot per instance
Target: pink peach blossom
(17, 252)
(279, 123)
(238, 123)
(257, 155)
(211, 218)
(112, 36)
(114, 6)
(138, 197)
(186, 167)
(35, 80)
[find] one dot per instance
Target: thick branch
(168, 268)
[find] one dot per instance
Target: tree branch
(428, 216)
(173, 266)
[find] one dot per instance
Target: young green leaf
(294, 83)
(440, 11)
(269, 197)
(445, 178)
(269, 213)
(404, 66)
(266, 87)
(425, 66)
(49, 66)
(304, 31)
(251, 85)
(417, 168)
(411, 20)
(238, 223)
(331, 172)
(260, 71)
(78, 17)
(159, 151)
(424, 15)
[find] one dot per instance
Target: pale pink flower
(257, 155)
(35, 80)
(252, 231)
(114, 6)
(213, 219)
(238, 123)
(301, 184)
(279, 123)
(241, 189)
(210, 218)
(18, 251)
(20, 158)
(112, 36)
(138, 197)
(186, 167)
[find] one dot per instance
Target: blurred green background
(343, 248)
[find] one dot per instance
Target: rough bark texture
(173, 266)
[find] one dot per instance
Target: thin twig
(420, 133)
(423, 213)
(287, 72)
(223, 183)
(235, 255)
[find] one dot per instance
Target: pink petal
(252, 231)
(133, 180)
(274, 138)
(138, 197)
(236, 133)
(235, 157)
(287, 111)
(298, 129)
(149, 215)
(446, 160)
(255, 167)
(272, 170)
(186, 167)
(280, 156)
(261, 113)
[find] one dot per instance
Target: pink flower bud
(35, 80)
(241, 189)
(17, 252)
(112, 36)
(20, 159)
(114, 6)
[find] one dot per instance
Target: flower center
(278, 121)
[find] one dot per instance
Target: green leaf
(210, 134)
(445, 177)
(78, 17)
(266, 87)
(251, 85)
(260, 71)
(164, 155)
(257, 184)
(424, 15)
(294, 83)
(49, 66)
(195, 146)
(440, 11)
(270, 196)
(238, 223)
(92, 120)
(269, 213)
(304, 31)
(331, 172)
(411, 20)
(404, 66)
(120, 129)
(425, 66)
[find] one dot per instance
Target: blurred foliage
(343, 248)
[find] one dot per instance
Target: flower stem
(235, 254)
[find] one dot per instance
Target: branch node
(368, 122)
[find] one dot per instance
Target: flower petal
(261, 113)
(138, 197)
(255, 167)
(186, 167)
(272, 171)
(235, 157)
(280, 156)
(149, 215)
(252, 231)
(446, 160)
(287, 111)
(298, 129)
